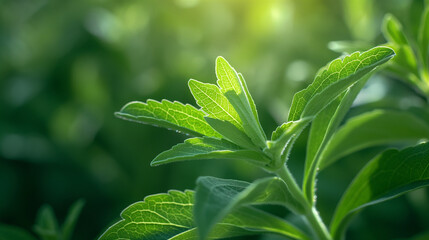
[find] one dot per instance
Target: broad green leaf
(283, 138)
(374, 128)
(231, 132)
(208, 148)
(214, 103)
(170, 216)
(423, 38)
(216, 198)
(172, 115)
(46, 225)
(235, 90)
(385, 177)
(71, 219)
(8, 232)
(334, 79)
(322, 128)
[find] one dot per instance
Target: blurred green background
(67, 66)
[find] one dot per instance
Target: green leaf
(374, 128)
(8, 232)
(385, 177)
(283, 138)
(208, 148)
(216, 198)
(235, 89)
(334, 79)
(46, 224)
(71, 219)
(231, 132)
(392, 30)
(423, 37)
(214, 103)
(171, 115)
(322, 128)
(170, 216)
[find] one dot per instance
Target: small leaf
(208, 148)
(172, 115)
(170, 216)
(214, 103)
(231, 132)
(216, 198)
(71, 219)
(334, 79)
(387, 176)
(46, 224)
(235, 90)
(392, 30)
(322, 128)
(374, 128)
(283, 138)
(8, 232)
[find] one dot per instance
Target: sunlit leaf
(334, 79)
(385, 177)
(374, 128)
(214, 103)
(216, 198)
(235, 89)
(172, 115)
(208, 148)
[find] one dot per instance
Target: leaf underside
(208, 148)
(171, 115)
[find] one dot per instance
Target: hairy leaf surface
(334, 79)
(208, 148)
(172, 115)
(216, 198)
(387, 176)
(374, 128)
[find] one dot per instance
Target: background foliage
(67, 66)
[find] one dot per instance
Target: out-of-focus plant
(227, 127)
(46, 226)
(411, 63)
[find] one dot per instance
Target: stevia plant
(226, 126)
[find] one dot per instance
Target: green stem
(311, 213)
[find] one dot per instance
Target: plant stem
(311, 213)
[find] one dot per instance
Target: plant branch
(311, 214)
